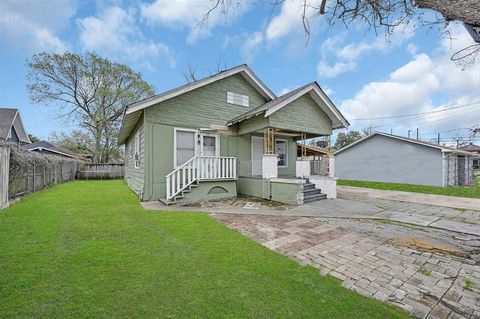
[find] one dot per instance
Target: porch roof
(315, 91)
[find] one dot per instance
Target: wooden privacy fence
(4, 168)
(101, 171)
(40, 175)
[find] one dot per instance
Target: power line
(417, 114)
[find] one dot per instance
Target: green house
(228, 134)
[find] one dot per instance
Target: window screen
(185, 146)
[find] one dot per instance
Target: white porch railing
(199, 168)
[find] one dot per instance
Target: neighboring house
(473, 149)
(224, 135)
(11, 127)
(45, 147)
(382, 157)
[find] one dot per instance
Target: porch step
(312, 194)
(314, 198)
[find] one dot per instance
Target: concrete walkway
(364, 207)
(426, 199)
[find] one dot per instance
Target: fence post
(4, 175)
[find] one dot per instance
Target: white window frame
(245, 99)
(286, 150)
(136, 153)
(195, 144)
(217, 142)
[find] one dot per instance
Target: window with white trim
(137, 150)
(238, 99)
(281, 151)
(185, 146)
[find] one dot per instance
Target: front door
(257, 154)
(209, 145)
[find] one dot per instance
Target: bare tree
(192, 75)
(90, 90)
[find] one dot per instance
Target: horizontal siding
(302, 115)
(134, 177)
(206, 105)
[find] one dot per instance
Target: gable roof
(315, 91)
(471, 148)
(44, 145)
(132, 113)
(11, 118)
(444, 149)
(243, 69)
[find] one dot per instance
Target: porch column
(269, 166)
(331, 165)
(303, 168)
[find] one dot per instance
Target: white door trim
(217, 142)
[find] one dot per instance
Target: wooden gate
(4, 169)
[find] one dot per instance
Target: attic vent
(238, 99)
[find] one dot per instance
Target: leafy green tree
(89, 90)
(344, 139)
(33, 138)
(77, 141)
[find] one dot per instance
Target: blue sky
(363, 74)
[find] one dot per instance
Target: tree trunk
(464, 10)
(97, 155)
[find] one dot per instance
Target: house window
(281, 151)
(137, 150)
(184, 146)
(238, 99)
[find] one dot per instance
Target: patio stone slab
(457, 226)
(420, 220)
(427, 284)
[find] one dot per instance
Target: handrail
(199, 168)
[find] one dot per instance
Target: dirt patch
(240, 202)
(425, 244)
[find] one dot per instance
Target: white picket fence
(197, 169)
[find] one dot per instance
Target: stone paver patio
(427, 284)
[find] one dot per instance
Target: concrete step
(311, 191)
(314, 198)
(308, 186)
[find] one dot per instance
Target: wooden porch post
(269, 140)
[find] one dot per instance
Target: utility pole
(438, 139)
(391, 131)
(409, 133)
(417, 134)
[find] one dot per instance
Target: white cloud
(189, 13)
(115, 33)
(426, 83)
(330, 71)
(289, 19)
(250, 45)
(346, 57)
(34, 25)
(412, 49)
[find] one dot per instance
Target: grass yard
(88, 249)
(473, 192)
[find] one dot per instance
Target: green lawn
(88, 249)
(448, 191)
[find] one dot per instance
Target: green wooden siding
(135, 177)
(206, 105)
(302, 115)
(253, 124)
